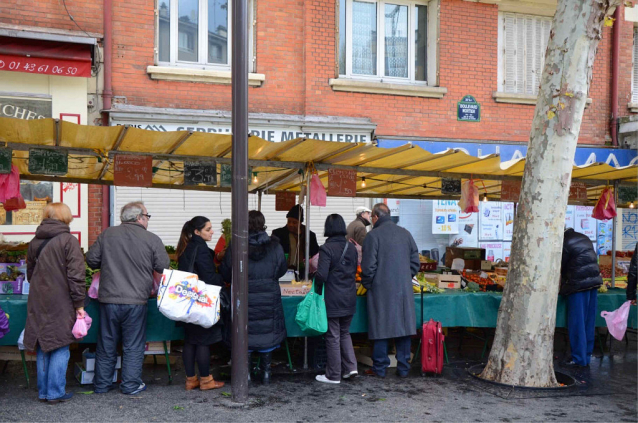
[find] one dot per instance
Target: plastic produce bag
(469, 202)
(359, 251)
(4, 323)
(95, 285)
(184, 298)
(17, 203)
(10, 184)
(314, 263)
(317, 192)
(82, 326)
(311, 316)
(617, 320)
(21, 346)
(605, 208)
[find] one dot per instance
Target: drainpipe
(615, 67)
(107, 94)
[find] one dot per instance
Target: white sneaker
(351, 374)
(324, 379)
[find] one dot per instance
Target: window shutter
(509, 40)
(520, 55)
(530, 54)
(539, 55)
(635, 81)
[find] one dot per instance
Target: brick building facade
(296, 62)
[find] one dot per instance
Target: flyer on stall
(507, 250)
(569, 217)
(508, 221)
(493, 250)
(584, 223)
(468, 231)
(445, 217)
(604, 236)
(491, 221)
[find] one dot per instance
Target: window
(384, 41)
(522, 44)
(634, 79)
(195, 33)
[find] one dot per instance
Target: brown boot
(208, 383)
(192, 383)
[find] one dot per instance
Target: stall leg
(447, 361)
(418, 350)
(600, 342)
(168, 364)
(288, 353)
(24, 367)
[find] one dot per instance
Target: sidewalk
(606, 391)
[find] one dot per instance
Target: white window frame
(502, 71)
(634, 72)
(202, 39)
(432, 31)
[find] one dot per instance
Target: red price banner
(45, 66)
(133, 171)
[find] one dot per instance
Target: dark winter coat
(631, 277)
(201, 257)
(266, 264)
(357, 230)
(579, 265)
(338, 277)
(57, 287)
(283, 235)
(390, 260)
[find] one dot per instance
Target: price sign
(578, 192)
(198, 173)
(342, 183)
(510, 191)
(226, 175)
(44, 161)
(133, 171)
(5, 160)
(284, 201)
(450, 186)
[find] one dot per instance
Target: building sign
(25, 107)
(269, 133)
(445, 217)
(468, 110)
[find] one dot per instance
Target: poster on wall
(491, 221)
(569, 217)
(467, 231)
(507, 250)
(604, 237)
(445, 214)
(629, 231)
(493, 250)
(584, 223)
(508, 221)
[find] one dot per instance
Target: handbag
(311, 316)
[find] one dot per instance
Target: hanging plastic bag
(95, 286)
(314, 263)
(311, 316)
(10, 184)
(605, 208)
(4, 323)
(317, 191)
(21, 346)
(469, 202)
(82, 326)
(182, 297)
(13, 204)
(617, 320)
(359, 251)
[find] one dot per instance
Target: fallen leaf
(85, 392)
(226, 394)
(177, 407)
(381, 399)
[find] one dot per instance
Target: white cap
(362, 210)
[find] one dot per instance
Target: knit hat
(296, 213)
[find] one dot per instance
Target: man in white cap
(357, 229)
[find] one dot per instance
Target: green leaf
(85, 392)
(226, 394)
(177, 407)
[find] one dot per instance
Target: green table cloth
(452, 308)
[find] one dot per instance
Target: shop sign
(45, 66)
(445, 217)
(25, 108)
(468, 110)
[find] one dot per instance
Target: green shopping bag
(311, 314)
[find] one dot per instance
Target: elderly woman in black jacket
(266, 264)
(336, 274)
(194, 256)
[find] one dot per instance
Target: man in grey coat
(126, 255)
(390, 260)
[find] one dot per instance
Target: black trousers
(125, 323)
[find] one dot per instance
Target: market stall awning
(406, 171)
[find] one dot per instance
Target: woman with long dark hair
(266, 264)
(336, 274)
(194, 256)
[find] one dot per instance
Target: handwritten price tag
(133, 171)
(342, 183)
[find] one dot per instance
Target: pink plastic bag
(82, 326)
(359, 251)
(317, 192)
(469, 202)
(617, 320)
(95, 285)
(10, 184)
(314, 263)
(605, 208)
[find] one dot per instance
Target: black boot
(250, 364)
(266, 360)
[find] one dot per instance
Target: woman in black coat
(266, 264)
(336, 274)
(194, 256)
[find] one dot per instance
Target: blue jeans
(52, 367)
(581, 323)
(381, 361)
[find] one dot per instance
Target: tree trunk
(522, 352)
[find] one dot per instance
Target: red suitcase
(432, 348)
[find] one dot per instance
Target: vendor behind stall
(292, 238)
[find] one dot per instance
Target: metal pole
(307, 264)
(259, 200)
(239, 244)
(613, 240)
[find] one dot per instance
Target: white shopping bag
(182, 297)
